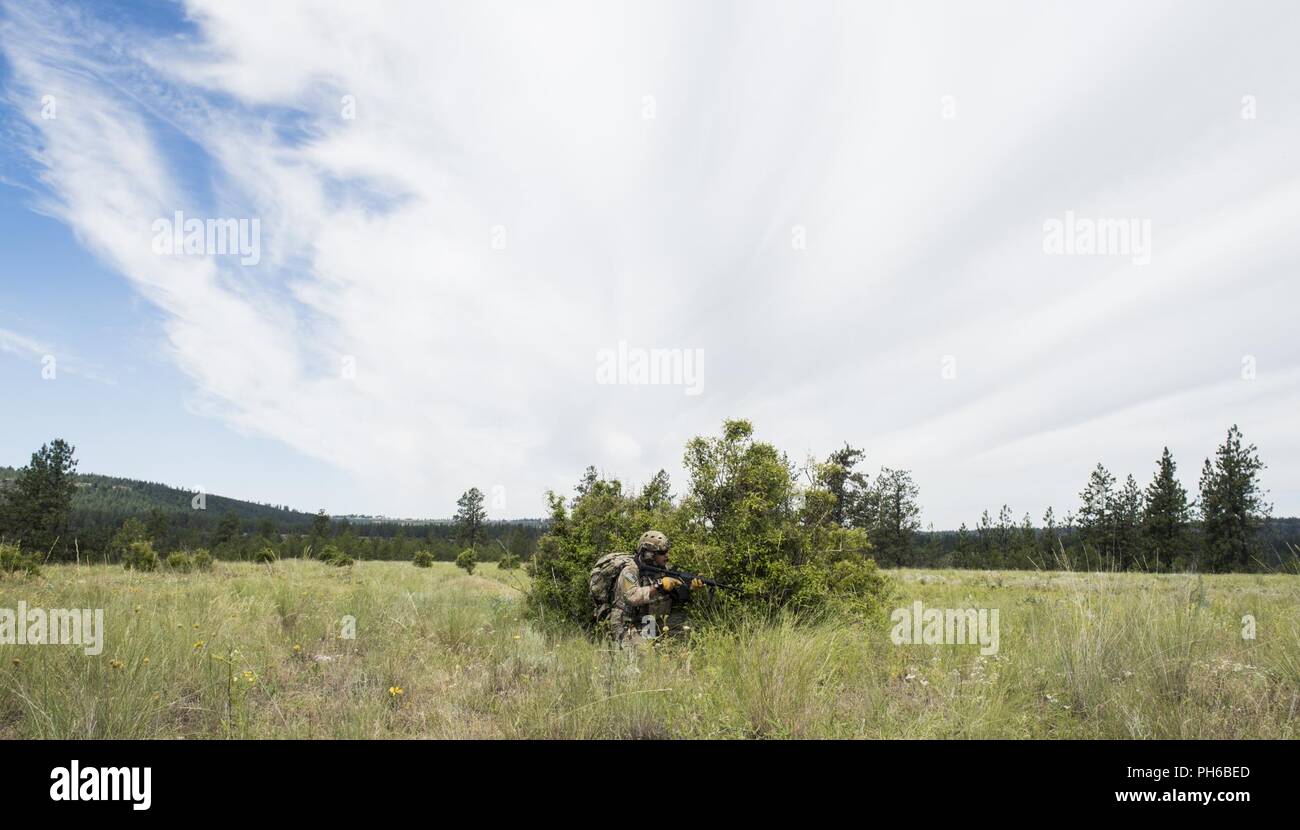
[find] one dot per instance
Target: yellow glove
(668, 583)
(697, 585)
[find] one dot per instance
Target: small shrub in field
(341, 560)
(467, 560)
(423, 559)
(329, 553)
(265, 555)
(140, 556)
(509, 562)
(13, 560)
(202, 560)
(180, 562)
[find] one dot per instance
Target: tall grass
(259, 650)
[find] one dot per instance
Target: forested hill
(108, 500)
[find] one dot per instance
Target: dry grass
(1082, 656)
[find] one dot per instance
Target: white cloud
(524, 124)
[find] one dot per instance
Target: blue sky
(844, 209)
(115, 393)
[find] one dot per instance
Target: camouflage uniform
(636, 597)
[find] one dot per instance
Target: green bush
(341, 560)
(202, 560)
(329, 553)
(180, 562)
(140, 556)
(266, 555)
(509, 562)
(131, 531)
(423, 559)
(13, 560)
(743, 521)
(467, 560)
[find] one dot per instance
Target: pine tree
(1004, 538)
(38, 508)
(962, 556)
(1049, 539)
(984, 541)
(897, 515)
(320, 532)
(1232, 504)
(1165, 515)
(657, 495)
(1027, 545)
(1128, 525)
(471, 517)
(1094, 519)
(848, 486)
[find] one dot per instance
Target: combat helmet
(650, 543)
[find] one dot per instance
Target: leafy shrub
(467, 560)
(140, 556)
(744, 521)
(341, 560)
(180, 562)
(423, 559)
(202, 560)
(329, 553)
(265, 555)
(13, 560)
(131, 531)
(509, 562)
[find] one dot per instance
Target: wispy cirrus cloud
(461, 207)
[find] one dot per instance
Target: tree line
(55, 514)
(1228, 527)
(1115, 527)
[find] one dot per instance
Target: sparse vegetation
(249, 652)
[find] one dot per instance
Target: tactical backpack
(601, 583)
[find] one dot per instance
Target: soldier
(641, 595)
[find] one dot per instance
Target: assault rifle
(686, 578)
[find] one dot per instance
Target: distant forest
(108, 513)
(58, 515)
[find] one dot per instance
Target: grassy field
(255, 651)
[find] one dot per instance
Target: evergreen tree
(1165, 515)
(38, 508)
(897, 515)
(1027, 545)
(1049, 540)
(471, 517)
(1232, 504)
(1094, 519)
(848, 486)
(657, 495)
(962, 552)
(984, 541)
(1128, 525)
